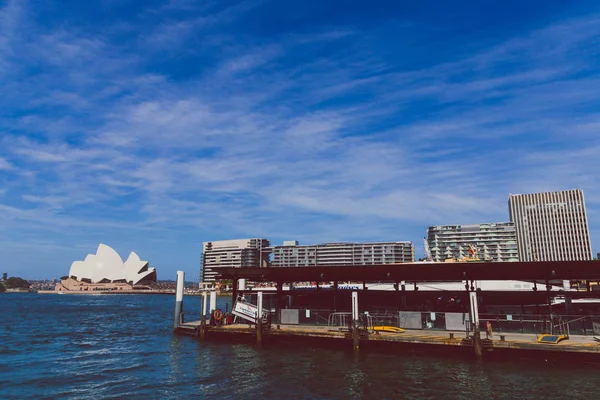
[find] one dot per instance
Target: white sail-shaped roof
(107, 264)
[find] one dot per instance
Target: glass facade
(551, 226)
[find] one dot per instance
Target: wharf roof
(423, 272)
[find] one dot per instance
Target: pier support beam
(278, 301)
(201, 333)
(355, 333)
(477, 347)
(178, 300)
(234, 292)
(204, 305)
(213, 301)
(335, 293)
(259, 327)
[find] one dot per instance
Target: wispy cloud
(204, 126)
(4, 164)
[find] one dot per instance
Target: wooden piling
(355, 337)
(477, 346)
(202, 330)
(259, 331)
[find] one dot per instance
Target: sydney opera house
(106, 271)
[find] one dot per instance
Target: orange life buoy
(218, 315)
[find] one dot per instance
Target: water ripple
(91, 347)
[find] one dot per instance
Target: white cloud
(339, 146)
(39, 155)
(5, 165)
(52, 202)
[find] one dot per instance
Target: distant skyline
(153, 126)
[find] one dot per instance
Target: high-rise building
(551, 226)
(493, 241)
(292, 255)
(240, 253)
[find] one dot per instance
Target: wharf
(510, 344)
(400, 277)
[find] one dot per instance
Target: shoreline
(102, 292)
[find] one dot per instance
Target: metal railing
(339, 321)
(542, 323)
(501, 323)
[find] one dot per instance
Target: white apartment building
(551, 226)
(293, 255)
(239, 253)
(494, 241)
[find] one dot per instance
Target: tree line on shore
(13, 283)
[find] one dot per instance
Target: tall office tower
(551, 226)
(293, 255)
(493, 241)
(240, 253)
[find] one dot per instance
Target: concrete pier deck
(515, 344)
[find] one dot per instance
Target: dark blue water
(121, 346)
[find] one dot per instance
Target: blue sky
(156, 125)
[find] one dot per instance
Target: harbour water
(114, 346)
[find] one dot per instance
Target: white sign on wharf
(596, 327)
(247, 311)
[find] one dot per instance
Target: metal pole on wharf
(178, 299)
(355, 333)
(259, 327)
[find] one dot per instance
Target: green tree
(2, 289)
(16, 283)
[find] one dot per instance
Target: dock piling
(202, 328)
(259, 304)
(213, 301)
(178, 299)
(278, 303)
(355, 333)
(477, 347)
(234, 292)
(204, 304)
